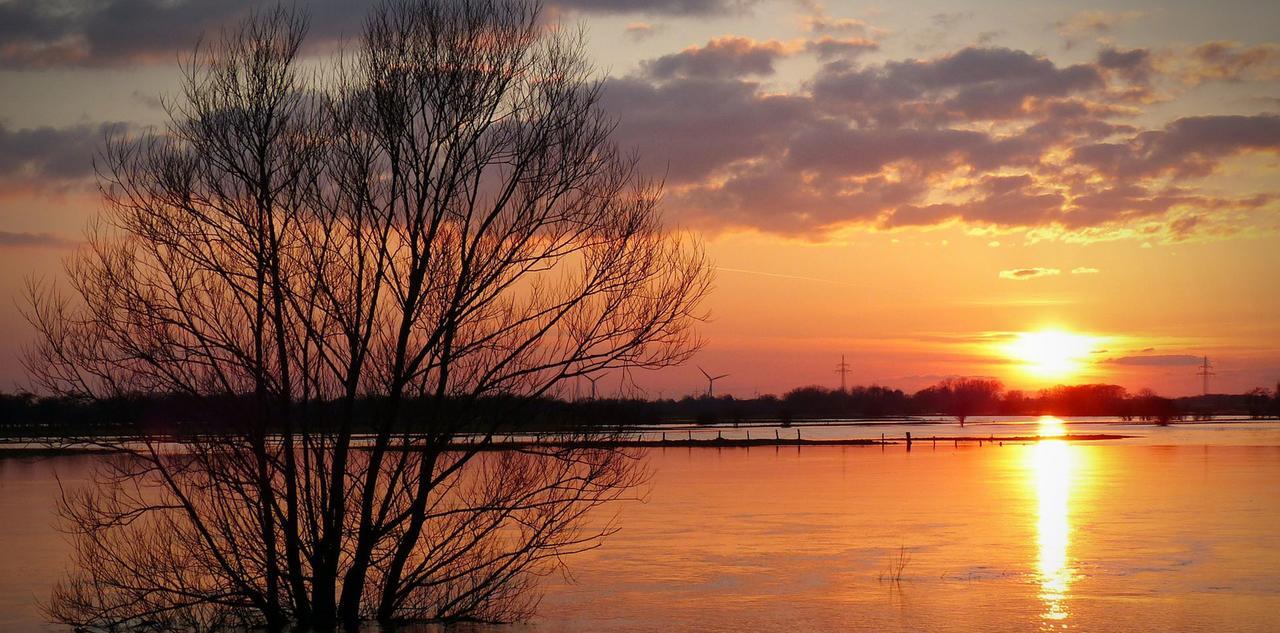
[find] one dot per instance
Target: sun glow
(1051, 354)
(1053, 463)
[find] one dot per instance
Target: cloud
(983, 136)
(1134, 65)
(1029, 273)
(658, 7)
(10, 239)
(1157, 360)
(1084, 270)
(48, 155)
(640, 31)
(819, 22)
(39, 34)
(722, 57)
(1231, 61)
(999, 200)
(949, 20)
(827, 47)
(1092, 23)
(1189, 146)
(114, 32)
(974, 83)
(690, 128)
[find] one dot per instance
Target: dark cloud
(827, 47)
(720, 58)
(974, 83)
(665, 7)
(1133, 64)
(121, 32)
(688, 128)
(33, 240)
(39, 34)
(983, 136)
(1029, 273)
(995, 200)
(1190, 146)
(1157, 360)
(1231, 61)
(47, 154)
(1091, 205)
(836, 147)
(988, 136)
(823, 24)
(774, 199)
(640, 31)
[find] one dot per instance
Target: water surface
(1178, 529)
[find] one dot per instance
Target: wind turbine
(711, 382)
(593, 384)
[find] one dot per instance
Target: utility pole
(1204, 372)
(843, 369)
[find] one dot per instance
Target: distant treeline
(28, 415)
(960, 398)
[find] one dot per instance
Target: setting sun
(1051, 354)
(323, 316)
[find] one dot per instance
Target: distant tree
(1150, 407)
(1259, 402)
(439, 218)
(962, 397)
(1085, 400)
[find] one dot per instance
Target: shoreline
(718, 442)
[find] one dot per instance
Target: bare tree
(353, 270)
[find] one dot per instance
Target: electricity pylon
(1204, 372)
(843, 369)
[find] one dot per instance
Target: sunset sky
(910, 184)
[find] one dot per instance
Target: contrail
(763, 273)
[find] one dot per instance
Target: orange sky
(907, 185)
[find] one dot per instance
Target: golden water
(1137, 536)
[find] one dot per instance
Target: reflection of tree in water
(175, 538)
(344, 271)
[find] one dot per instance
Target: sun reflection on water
(1053, 463)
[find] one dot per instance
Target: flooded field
(1172, 530)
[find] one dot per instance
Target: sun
(1051, 354)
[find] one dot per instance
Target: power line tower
(842, 368)
(1204, 372)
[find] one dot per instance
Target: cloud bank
(985, 137)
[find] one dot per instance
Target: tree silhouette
(435, 218)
